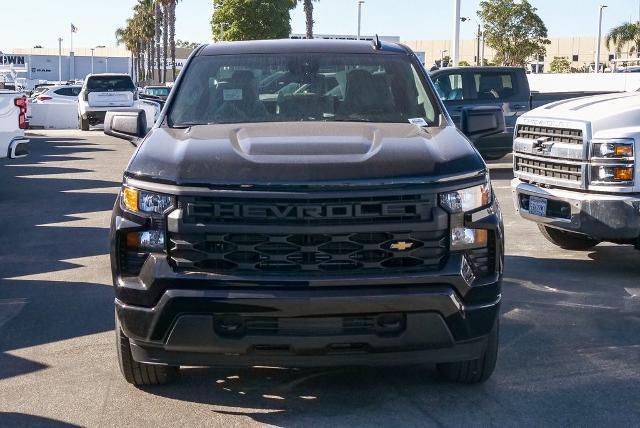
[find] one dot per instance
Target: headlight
(465, 200)
(612, 149)
(612, 174)
(144, 201)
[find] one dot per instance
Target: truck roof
(300, 46)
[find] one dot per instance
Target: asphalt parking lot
(569, 351)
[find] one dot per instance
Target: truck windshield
(301, 87)
(110, 84)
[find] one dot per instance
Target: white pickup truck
(576, 170)
(107, 92)
(13, 122)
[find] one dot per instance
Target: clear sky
(43, 21)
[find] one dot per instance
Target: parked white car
(13, 122)
(67, 94)
(109, 91)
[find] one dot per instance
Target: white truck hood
(602, 112)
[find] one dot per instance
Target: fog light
(615, 174)
(465, 238)
(148, 241)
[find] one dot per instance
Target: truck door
(451, 88)
(502, 88)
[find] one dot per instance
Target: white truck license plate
(537, 206)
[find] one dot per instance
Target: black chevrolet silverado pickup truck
(305, 203)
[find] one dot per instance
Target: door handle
(520, 107)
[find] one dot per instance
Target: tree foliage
(251, 19)
(623, 34)
(560, 64)
(514, 30)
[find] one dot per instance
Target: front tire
(474, 371)
(140, 374)
(567, 240)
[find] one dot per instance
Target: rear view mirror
(482, 121)
(129, 124)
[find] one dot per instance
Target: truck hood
(618, 110)
(304, 152)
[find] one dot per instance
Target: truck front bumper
(298, 328)
(600, 216)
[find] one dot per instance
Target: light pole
(59, 59)
(360, 3)
(602, 6)
(455, 45)
(92, 49)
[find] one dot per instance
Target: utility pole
(602, 6)
(360, 3)
(59, 59)
(455, 46)
(92, 49)
(478, 59)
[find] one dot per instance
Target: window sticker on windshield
(418, 121)
(232, 94)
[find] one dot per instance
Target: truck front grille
(276, 253)
(554, 169)
(551, 134)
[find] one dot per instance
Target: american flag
(74, 29)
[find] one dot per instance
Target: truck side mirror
(482, 121)
(129, 124)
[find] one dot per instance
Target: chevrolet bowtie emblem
(401, 245)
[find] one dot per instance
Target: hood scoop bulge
(317, 148)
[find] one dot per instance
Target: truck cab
(13, 122)
(576, 170)
(305, 203)
(504, 87)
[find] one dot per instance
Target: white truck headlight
(612, 149)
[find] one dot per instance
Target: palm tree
(165, 36)
(308, 11)
(172, 35)
(125, 36)
(621, 35)
(158, 32)
(145, 18)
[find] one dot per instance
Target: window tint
(301, 87)
(493, 86)
(68, 92)
(449, 87)
(110, 84)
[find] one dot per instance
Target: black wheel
(474, 371)
(83, 123)
(140, 374)
(567, 240)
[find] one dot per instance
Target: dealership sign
(12, 60)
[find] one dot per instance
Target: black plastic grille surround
(289, 253)
(308, 211)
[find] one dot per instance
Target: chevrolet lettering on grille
(317, 211)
